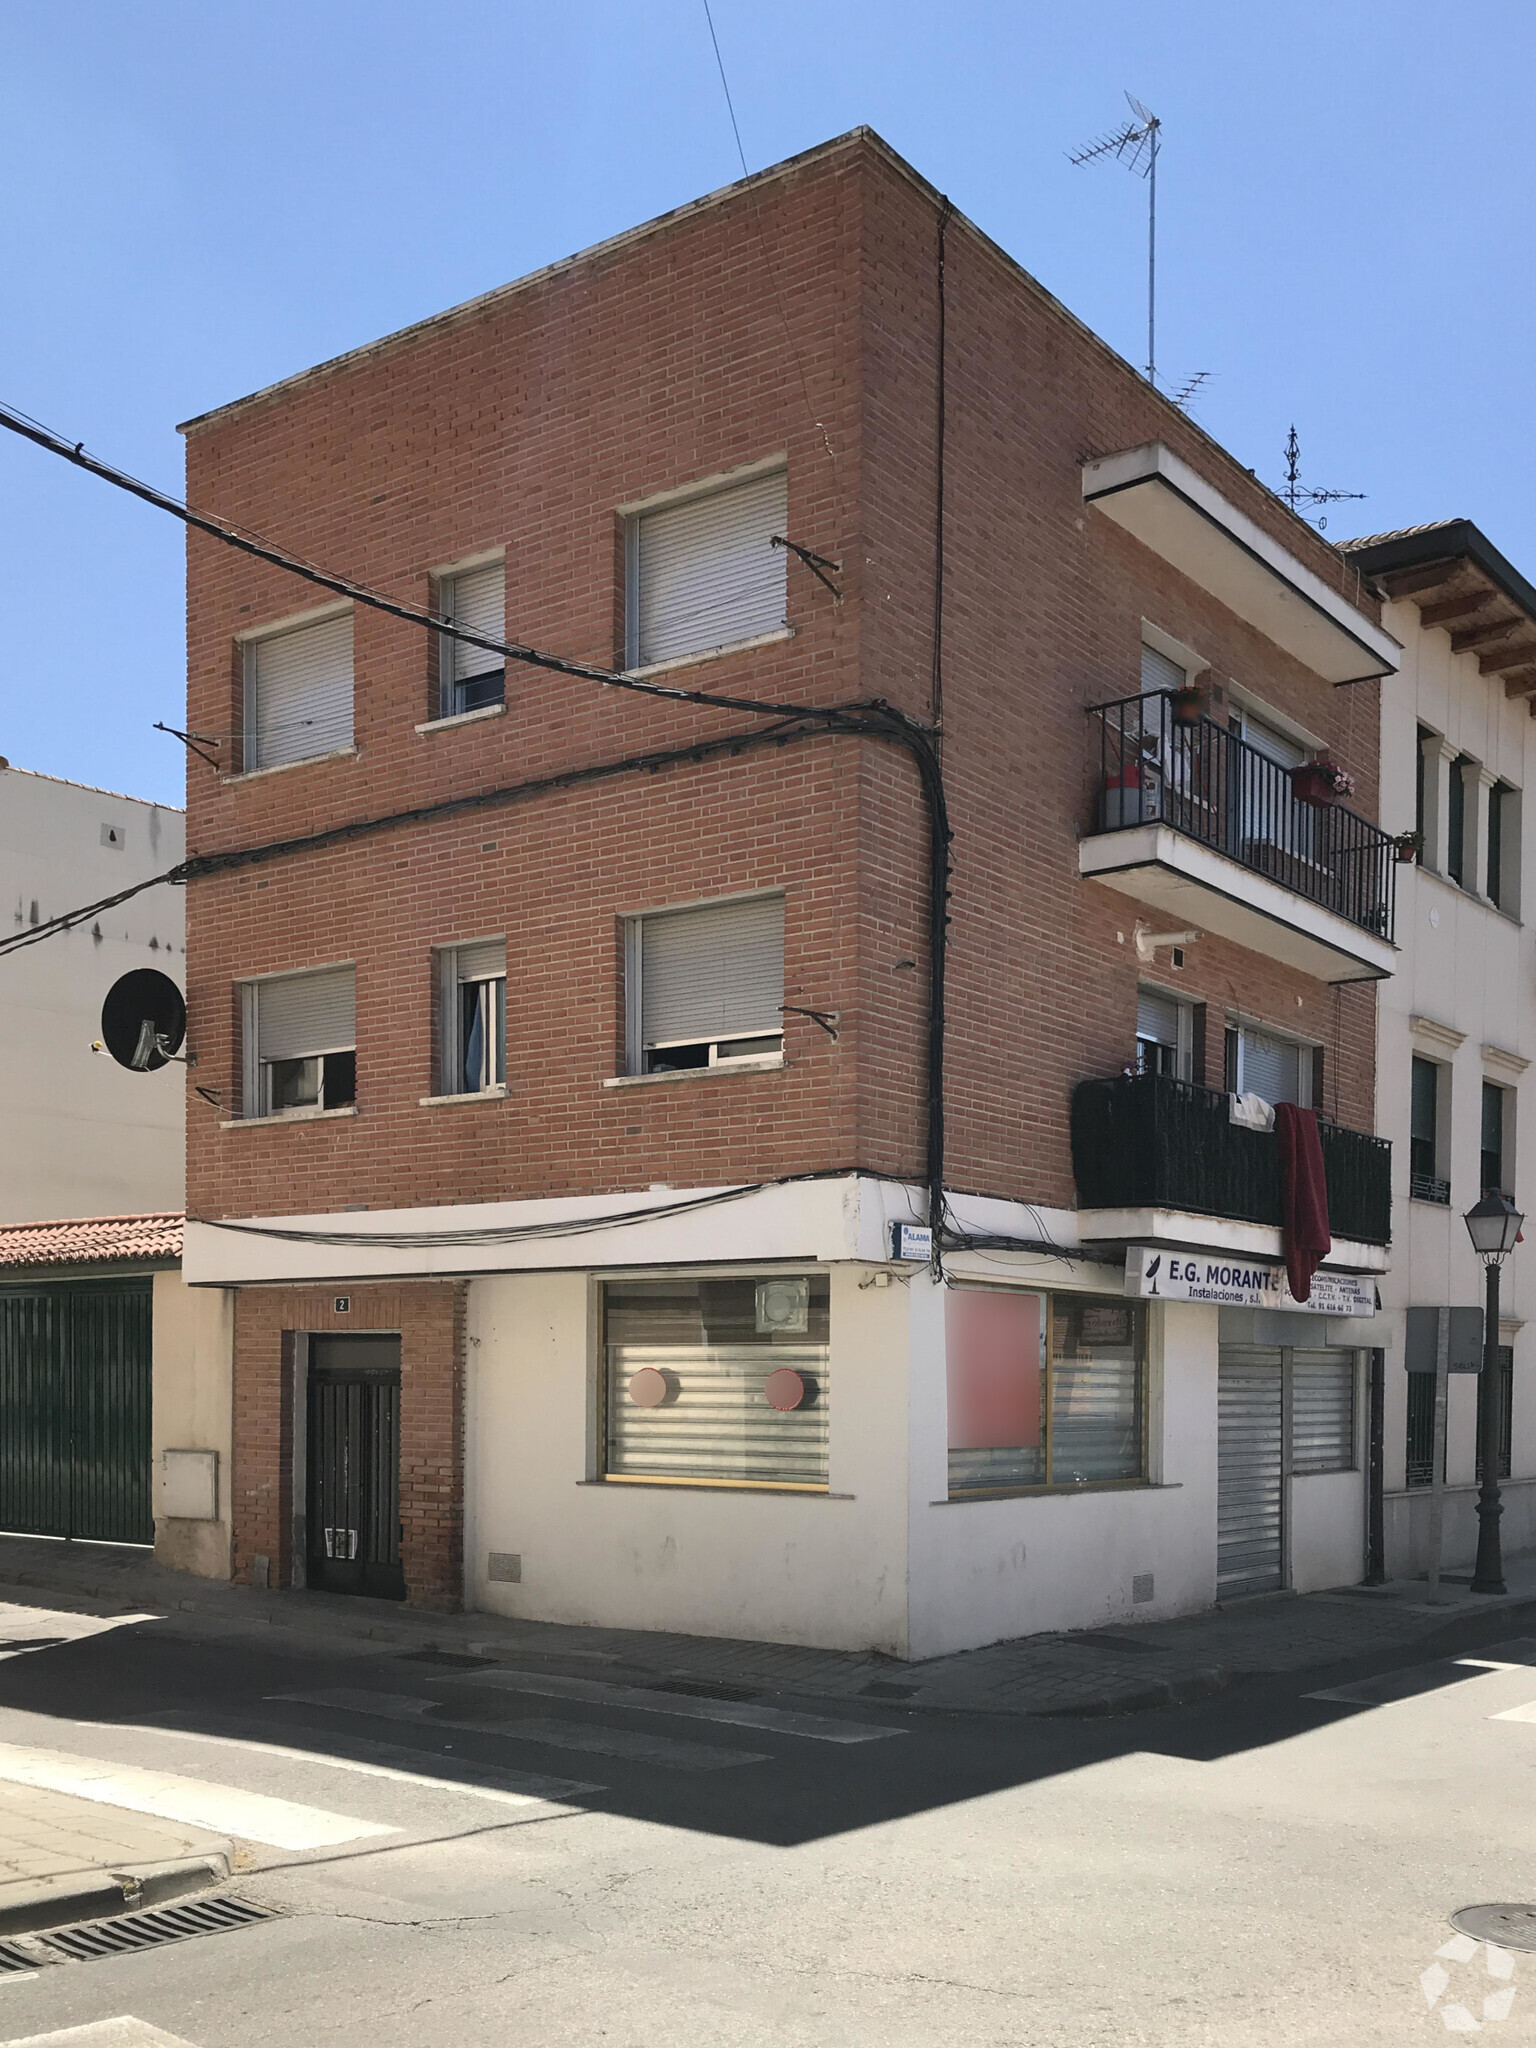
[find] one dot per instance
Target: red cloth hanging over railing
(1304, 1231)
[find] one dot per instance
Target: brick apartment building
(561, 1127)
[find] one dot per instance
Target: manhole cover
(1504, 1926)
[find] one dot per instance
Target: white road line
(581, 1735)
(622, 1742)
(124, 2032)
(1525, 1713)
(515, 1788)
(738, 1714)
(253, 1816)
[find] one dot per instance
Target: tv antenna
(1190, 389)
(1301, 497)
(1136, 145)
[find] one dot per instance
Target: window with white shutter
(704, 573)
(301, 1042)
(298, 693)
(1160, 671)
(1323, 1411)
(705, 986)
(473, 677)
(473, 1029)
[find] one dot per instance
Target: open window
(704, 987)
(300, 1043)
(298, 692)
(472, 1036)
(472, 678)
(703, 572)
(1164, 1035)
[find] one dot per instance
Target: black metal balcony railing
(1203, 781)
(1147, 1141)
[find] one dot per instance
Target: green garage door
(74, 1411)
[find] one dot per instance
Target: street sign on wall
(1227, 1282)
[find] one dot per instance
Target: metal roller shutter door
(1249, 1470)
(1322, 1411)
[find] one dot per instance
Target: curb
(101, 1893)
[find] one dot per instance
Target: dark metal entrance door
(353, 1509)
(75, 1380)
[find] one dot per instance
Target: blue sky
(202, 198)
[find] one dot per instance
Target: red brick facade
(526, 421)
(430, 1323)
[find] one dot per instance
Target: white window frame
(248, 643)
(634, 1046)
(256, 1072)
(448, 685)
(450, 1017)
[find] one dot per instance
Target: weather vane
(1301, 497)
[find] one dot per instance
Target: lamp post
(1494, 1228)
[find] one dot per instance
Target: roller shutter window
(1160, 671)
(1322, 1411)
(1160, 1038)
(705, 573)
(298, 693)
(474, 1017)
(1250, 1442)
(303, 1030)
(1275, 1068)
(473, 677)
(722, 1381)
(710, 984)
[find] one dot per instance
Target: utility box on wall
(189, 1486)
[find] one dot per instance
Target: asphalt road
(540, 1855)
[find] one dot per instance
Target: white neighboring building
(82, 1136)
(1456, 1023)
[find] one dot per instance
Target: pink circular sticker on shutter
(785, 1389)
(648, 1388)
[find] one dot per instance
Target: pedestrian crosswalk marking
(578, 1735)
(123, 2032)
(1525, 1713)
(736, 1713)
(253, 1816)
(514, 1788)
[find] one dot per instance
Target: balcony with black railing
(1203, 827)
(1149, 1142)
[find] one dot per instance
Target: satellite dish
(143, 1020)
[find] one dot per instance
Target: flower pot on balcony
(1133, 795)
(1188, 705)
(1314, 784)
(1406, 846)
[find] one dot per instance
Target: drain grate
(449, 1659)
(130, 1931)
(13, 1957)
(1504, 1926)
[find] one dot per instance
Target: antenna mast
(1136, 144)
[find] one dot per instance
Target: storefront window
(717, 1381)
(1044, 1390)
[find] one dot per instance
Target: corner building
(571, 1048)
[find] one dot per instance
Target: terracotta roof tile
(81, 1240)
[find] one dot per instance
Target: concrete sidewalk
(1118, 1669)
(65, 1858)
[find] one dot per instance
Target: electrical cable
(872, 718)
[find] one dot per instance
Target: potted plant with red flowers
(1321, 782)
(1188, 703)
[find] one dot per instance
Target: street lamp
(1494, 1228)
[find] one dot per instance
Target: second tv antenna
(1136, 145)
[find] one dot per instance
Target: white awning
(1172, 510)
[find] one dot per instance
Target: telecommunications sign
(1231, 1282)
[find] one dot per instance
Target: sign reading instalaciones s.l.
(1225, 1281)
